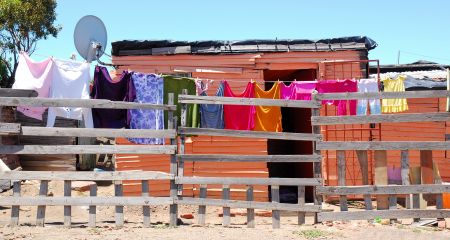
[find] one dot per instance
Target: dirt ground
(133, 229)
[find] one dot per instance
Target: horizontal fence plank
(249, 134)
(383, 95)
(247, 204)
(392, 118)
(85, 103)
(390, 189)
(247, 101)
(250, 181)
(9, 92)
(85, 201)
(96, 132)
(384, 214)
(249, 158)
(9, 128)
(87, 149)
(385, 145)
(84, 176)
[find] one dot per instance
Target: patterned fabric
(148, 88)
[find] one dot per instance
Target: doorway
(296, 120)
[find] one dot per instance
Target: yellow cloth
(394, 85)
(268, 118)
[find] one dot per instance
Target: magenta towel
(339, 86)
(297, 90)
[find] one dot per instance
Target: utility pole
(398, 57)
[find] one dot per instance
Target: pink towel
(339, 86)
(297, 90)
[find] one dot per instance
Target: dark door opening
(294, 120)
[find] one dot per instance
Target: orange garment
(268, 118)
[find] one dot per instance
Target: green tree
(22, 24)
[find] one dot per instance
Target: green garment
(175, 85)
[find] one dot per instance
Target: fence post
(250, 211)
(202, 208)
(405, 175)
(93, 208)
(173, 208)
(146, 208)
(184, 111)
(226, 210)
(364, 165)
(43, 190)
(381, 177)
(341, 178)
(301, 202)
(119, 209)
(15, 210)
(315, 112)
(275, 193)
(67, 208)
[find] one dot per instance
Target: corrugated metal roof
(434, 79)
(163, 47)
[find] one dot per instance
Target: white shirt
(70, 80)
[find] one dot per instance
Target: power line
(426, 56)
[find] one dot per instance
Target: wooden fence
(386, 194)
(119, 201)
(275, 183)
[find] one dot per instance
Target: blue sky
(413, 27)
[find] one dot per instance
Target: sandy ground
(189, 230)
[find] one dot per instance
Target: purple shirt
(105, 88)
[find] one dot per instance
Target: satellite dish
(90, 37)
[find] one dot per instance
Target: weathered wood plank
(301, 202)
(384, 189)
(275, 194)
(118, 192)
(384, 118)
(226, 210)
(173, 208)
(404, 156)
(85, 201)
(384, 95)
(248, 204)
(385, 214)
(249, 134)
(249, 158)
(9, 128)
(9, 92)
(202, 208)
(67, 208)
(87, 149)
(145, 209)
(342, 178)
(385, 145)
(81, 176)
(247, 101)
(93, 132)
(85, 103)
(250, 181)
(364, 166)
(92, 208)
(15, 209)
(43, 190)
(250, 211)
(381, 177)
(317, 166)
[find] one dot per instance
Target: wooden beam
(384, 95)
(84, 103)
(202, 208)
(249, 134)
(275, 194)
(384, 214)
(384, 189)
(92, 132)
(145, 209)
(87, 149)
(301, 202)
(249, 158)
(247, 101)
(385, 145)
(341, 161)
(92, 208)
(250, 181)
(248, 204)
(364, 166)
(384, 118)
(85, 201)
(9, 128)
(381, 177)
(68, 208)
(84, 176)
(15, 209)
(118, 192)
(426, 169)
(40, 216)
(9, 92)
(250, 211)
(226, 211)
(404, 155)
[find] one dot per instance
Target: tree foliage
(22, 24)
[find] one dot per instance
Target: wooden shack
(238, 62)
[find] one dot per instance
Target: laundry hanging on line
(211, 115)
(394, 84)
(268, 118)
